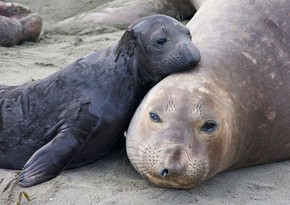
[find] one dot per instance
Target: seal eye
(209, 126)
(161, 41)
(154, 117)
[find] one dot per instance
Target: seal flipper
(47, 162)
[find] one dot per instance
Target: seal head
(183, 135)
(161, 46)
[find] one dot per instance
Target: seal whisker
(138, 149)
(139, 144)
(136, 156)
(143, 155)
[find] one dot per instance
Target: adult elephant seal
(16, 31)
(13, 10)
(118, 14)
(232, 111)
(17, 24)
(76, 115)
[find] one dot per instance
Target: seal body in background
(17, 24)
(232, 111)
(76, 115)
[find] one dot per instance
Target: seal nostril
(164, 172)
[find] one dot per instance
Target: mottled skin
(232, 111)
(17, 24)
(76, 115)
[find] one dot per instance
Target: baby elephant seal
(232, 111)
(76, 115)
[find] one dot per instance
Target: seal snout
(174, 162)
(164, 172)
(174, 168)
(192, 55)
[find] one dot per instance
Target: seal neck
(140, 82)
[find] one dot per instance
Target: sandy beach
(113, 180)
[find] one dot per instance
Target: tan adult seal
(232, 111)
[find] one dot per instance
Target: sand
(112, 180)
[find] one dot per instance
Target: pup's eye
(154, 117)
(161, 41)
(209, 126)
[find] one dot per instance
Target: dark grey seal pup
(76, 115)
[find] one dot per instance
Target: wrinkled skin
(76, 115)
(232, 111)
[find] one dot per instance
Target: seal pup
(76, 115)
(232, 111)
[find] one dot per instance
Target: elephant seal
(76, 115)
(16, 31)
(118, 14)
(17, 24)
(13, 10)
(232, 111)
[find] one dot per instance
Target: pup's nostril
(164, 172)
